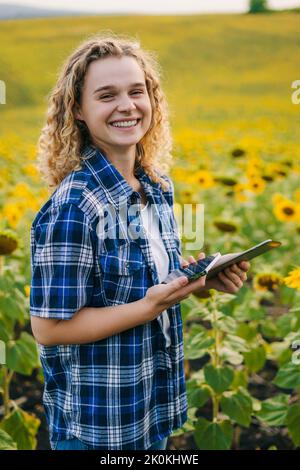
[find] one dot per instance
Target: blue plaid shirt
(126, 391)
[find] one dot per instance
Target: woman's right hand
(162, 296)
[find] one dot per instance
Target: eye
(104, 97)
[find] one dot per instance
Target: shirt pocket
(123, 269)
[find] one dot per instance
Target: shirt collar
(116, 185)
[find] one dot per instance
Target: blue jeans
(76, 444)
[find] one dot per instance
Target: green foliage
(238, 407)
(258, 6)
(22, 427)
(236, 351)
(218, 378)
(6, 441)
(17, 428)
(293, 423)
(288, 376)
(213, 436)
(274, 410)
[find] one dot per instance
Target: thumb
(178, 283)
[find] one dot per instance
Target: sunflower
(13, 213)
(293, 279)
(226, 180)
(256, 184)
(287, 211)
(238, 152)
(27, 290)
(225, 226)
(31, 171)
(278, 197)
(8, 242)
(267, 281)
(239, 192)
(21, 190)
(274, 169)
(203, 178)
(186, 196)
(179, 174)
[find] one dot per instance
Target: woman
(109, 334)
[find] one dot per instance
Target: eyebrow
(113, 87)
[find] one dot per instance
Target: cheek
(98, 117)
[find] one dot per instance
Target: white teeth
(124, 123)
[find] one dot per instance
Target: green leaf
(246, 331)
(10, 307)
(231, 356)
(22, 355)
(288, 323)
(213, 436)
(293, 423)
(22, 427)
(187, 306)
(4, 330)
(219, 378)
(196, 346)
(6, 442)
(227, 324)
(268, 328)
(288, 376)
(274, 410)
(6, 282)
(238, 407)
(197, 396)
(255, 359)
(240, 379)
(236, 343)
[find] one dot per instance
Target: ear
(78, 114)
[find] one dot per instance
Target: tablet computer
(232, 258)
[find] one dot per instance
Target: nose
(126, 104)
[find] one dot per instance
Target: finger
(231, 288)
(177, 284)
(192, 259)
(201, 255)
(244, 265)
(184, 263)
(242, 275)
(233, 277)
(190, 287)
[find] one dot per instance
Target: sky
(152, 6)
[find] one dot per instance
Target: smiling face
(115, 90)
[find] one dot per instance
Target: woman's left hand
(229, 281)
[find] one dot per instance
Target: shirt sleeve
(62, 263)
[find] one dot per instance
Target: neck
(123, 159)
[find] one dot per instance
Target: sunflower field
(228, 80)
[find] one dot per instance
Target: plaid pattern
(126, 391)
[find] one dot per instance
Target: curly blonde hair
(63, 137)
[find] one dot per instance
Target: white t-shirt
(160, 256)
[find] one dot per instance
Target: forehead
(117, 71)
